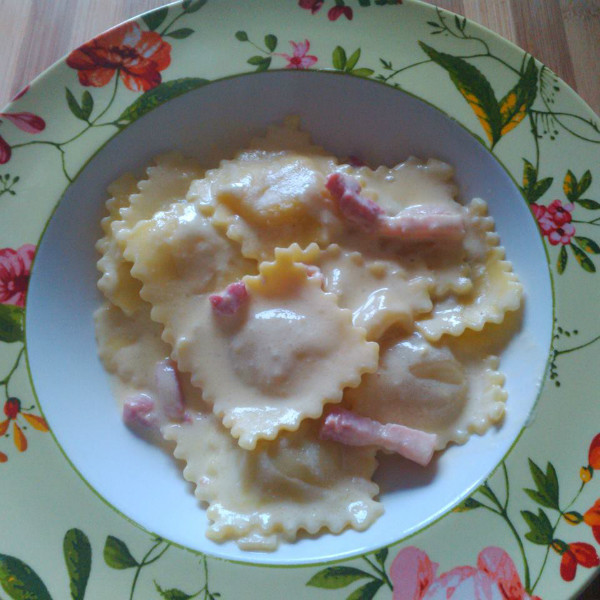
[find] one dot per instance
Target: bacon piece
(140, 416)
(145, 414)
(231, 300)
(169, 397)
(423, 225)
(355, 207)
(411, 224)
(352, 429)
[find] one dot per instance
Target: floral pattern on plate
(532, 534)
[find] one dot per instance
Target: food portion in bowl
(280, 319)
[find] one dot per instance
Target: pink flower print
(555, 221)
(337, 11)
(543, 218)
(561, 213)
(25, 121)
(562, 235)
(15, 267)
(300, 59)
(312, 5)
(494, 578)
(499, 567)
(412, 573)
(5, 151)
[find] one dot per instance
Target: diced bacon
(421, 225)
(140, 416)
(231, 300)
(352, 429)
(169, 397)
(355, 207)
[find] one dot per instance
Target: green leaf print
(468, 504)
(540, 527)
(20, 581)
(191, 7)
(585, 263)
(367, 591)
(338, 58)
(362, 72)
(117, 555)
(271, 42)
(78, 557)
(11, 324)
(475, 89)
(496, 117)
(589, 204)
(533, 189)
(573, 188)
(546, 492)
(351, 62)
(381, 556)
(261, 63)
(333, 578)
(81, 111)
(155, 19)
(159, 95)
(561, 263)
(172, 594)
(588, 245)
(514, 106)
(180, 34)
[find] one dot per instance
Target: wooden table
(563, 34)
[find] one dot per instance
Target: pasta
(280, 319)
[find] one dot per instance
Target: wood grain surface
(563, 34)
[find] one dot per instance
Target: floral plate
(526, 525)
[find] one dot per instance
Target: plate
(517, 505)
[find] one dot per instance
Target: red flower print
(594, 453)
(25, 121)
(12, 409)
(137, 56)
(587, 472)
(592, 518)
(578, 553)
(300, 59)
(337, 11)
(15, 267)
(3, 457)
(312, 5)
(413, 577)
(555, 221)
(5, 151)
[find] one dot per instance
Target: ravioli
(285, 314)
(433, 388)
(297, 482)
